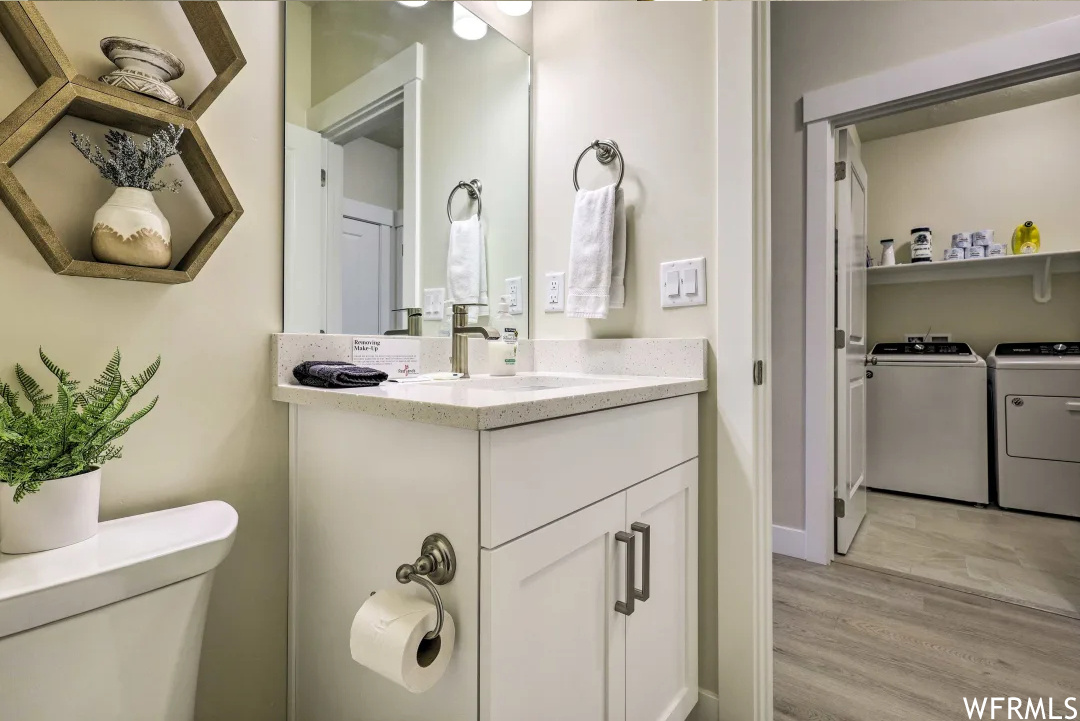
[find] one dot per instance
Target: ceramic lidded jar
(130, 229)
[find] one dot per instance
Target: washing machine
(926, 421)
(1036, 394)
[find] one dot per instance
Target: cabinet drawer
(534, 474)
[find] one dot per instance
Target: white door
(552, 643)
(851, 184)
(661, 633)
(305, 294)
(361, 271)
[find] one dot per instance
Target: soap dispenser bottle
(502, 353)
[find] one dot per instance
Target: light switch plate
(554, 300)
(434, 302)
(513, 289)
(682, 283)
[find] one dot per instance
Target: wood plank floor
(1019, 557)
(858, 645)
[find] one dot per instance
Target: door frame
(345, 115)
(741, 398)
(1006, 61)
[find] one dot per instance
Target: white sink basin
(516, 384)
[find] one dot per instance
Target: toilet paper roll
(387, 636)
(961, 240)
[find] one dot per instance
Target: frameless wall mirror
(406, 167)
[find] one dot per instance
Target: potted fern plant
(51, 455)
(130, 229)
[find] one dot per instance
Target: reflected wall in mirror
(387, 110)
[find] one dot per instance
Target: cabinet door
(661, 635)
(551, 641)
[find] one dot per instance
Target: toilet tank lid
(129, 556)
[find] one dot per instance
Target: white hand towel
(597, 266)
(466, 262)
(618, 253)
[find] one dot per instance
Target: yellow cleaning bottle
(1025, 239)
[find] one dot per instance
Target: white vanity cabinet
(562, 634)
(542, 517)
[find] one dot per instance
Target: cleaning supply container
(1025, 240)
(922, 245)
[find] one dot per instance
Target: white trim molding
(820, 307)
(1000, 62)
(789, 541)
(1021, 57)
(369, 94)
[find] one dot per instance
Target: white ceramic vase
(130, 229)
(63, 511)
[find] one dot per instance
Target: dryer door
(1043, 427)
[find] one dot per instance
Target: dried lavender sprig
(129, 165)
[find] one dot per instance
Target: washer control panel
(962, 349)
(1071, 348)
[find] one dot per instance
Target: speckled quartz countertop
(558, 378)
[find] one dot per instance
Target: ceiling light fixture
(412, 3)
(514, 8)
(467, 25)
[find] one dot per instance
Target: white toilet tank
(110, 629)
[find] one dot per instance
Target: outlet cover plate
(677, 278)
(434, 303)
(554, 292)
(513, 289)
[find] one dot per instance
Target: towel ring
(473, 187)
(606, 151)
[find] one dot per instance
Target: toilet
(111, 629)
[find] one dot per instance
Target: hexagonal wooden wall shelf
(62, 91)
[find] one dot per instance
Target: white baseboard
(707, 709)
(789, 541)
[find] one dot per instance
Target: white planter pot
(64, 511)
(130, 229)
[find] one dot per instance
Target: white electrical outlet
(513, 290)
(554, 301)
(682, 283)
(434, 302)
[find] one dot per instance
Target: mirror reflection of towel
(466, 262)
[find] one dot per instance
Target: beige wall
(373, 173)
(815, 45)
(474, 122)
(991, 172)
(661, 109)
(215, 432)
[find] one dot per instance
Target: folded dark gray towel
(337, 374)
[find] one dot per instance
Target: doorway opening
(943, 347)
(367, 254)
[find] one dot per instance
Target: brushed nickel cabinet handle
(646, 558)
(626, 607)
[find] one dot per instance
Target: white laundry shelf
(1040, 266)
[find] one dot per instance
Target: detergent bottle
(1025, 239)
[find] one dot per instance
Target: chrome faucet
(459, 358)
(414, 322)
